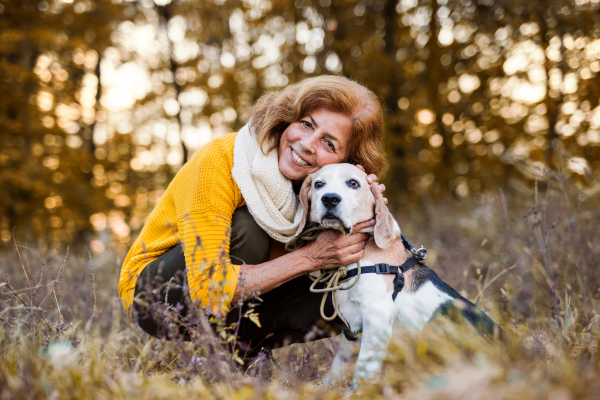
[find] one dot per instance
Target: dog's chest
(370, 295)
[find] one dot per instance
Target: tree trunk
(166, 13)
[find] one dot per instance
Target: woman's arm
(330, 250)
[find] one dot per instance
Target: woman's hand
(332, 249)
(373, 178)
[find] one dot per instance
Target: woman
(229, 211)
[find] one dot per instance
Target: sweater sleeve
(208, 202)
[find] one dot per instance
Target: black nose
(330, 200)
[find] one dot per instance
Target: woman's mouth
(298, 160)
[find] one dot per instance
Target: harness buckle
(382, 269)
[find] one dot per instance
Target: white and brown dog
(338, 197)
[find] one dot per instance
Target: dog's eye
(353, 183)
(319, 184)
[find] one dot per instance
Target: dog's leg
(377, 332)
(345, 356)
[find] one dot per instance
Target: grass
(530, 260)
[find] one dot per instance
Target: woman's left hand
(373, 178)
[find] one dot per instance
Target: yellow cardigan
(196, 209)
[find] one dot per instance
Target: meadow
(528, 257)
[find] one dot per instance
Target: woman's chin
(295, 173)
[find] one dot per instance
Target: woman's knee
(249, 243)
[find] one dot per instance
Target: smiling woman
(221, 227)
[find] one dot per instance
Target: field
(529, 258)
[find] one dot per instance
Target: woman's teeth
(298, 159)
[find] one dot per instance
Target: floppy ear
(304, 199)
(384, 222)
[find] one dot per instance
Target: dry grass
(532, 266)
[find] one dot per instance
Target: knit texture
(196, 209)
(268, 193)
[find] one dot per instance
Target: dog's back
(426, 295)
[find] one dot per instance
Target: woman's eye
(329, 144)
(319, 184)
(353, 183)
(306, 124)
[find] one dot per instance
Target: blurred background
(492, 133)
(101, 102)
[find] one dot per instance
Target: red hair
(275, 111)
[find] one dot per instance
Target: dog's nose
(330, 200)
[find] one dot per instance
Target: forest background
(492, 131)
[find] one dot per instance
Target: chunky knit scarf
(269, 195)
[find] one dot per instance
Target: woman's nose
(308, 143)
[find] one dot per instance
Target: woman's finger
(352, 240)
(353, 257)
(371, 178)
(355, 248)
(381, 187)
(361, 167)
(385, 201)
(363, 225)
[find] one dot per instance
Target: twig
(19, 308)
(60, 272)
(491, 281)
(89, 324)
(27, 276)
(61, 319)
(22, 302)
(41, 263)
(169, 364)
(44, 299)
(56, 285)
(542, 242)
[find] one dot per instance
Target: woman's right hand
(332, 249)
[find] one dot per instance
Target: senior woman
(225, 218)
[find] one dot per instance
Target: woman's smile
(298, 160)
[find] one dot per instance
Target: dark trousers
(288, 314)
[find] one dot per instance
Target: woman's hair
(275, 111)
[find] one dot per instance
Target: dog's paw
(354, 385)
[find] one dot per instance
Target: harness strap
(384, 268)
(397, 270)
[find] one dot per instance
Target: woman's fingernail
(372, 222)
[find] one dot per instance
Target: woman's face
(321, 137)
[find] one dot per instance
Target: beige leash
(331, 278)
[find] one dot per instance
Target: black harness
(418, 256)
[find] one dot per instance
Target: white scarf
(268, 194)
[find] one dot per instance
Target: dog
(337, 197)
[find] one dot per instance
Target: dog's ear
(384, 222)
(305, 200)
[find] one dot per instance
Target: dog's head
(338, 197)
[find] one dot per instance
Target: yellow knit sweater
(196, 209)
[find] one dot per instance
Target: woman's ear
(305, 201)
(384, 222)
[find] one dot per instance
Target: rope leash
(309, 235)
(331, 278)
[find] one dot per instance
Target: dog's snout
(330, 200)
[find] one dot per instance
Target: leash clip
(420, 253)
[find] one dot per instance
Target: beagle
(337, 197)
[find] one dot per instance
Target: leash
(331, 278)
(307, 236)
